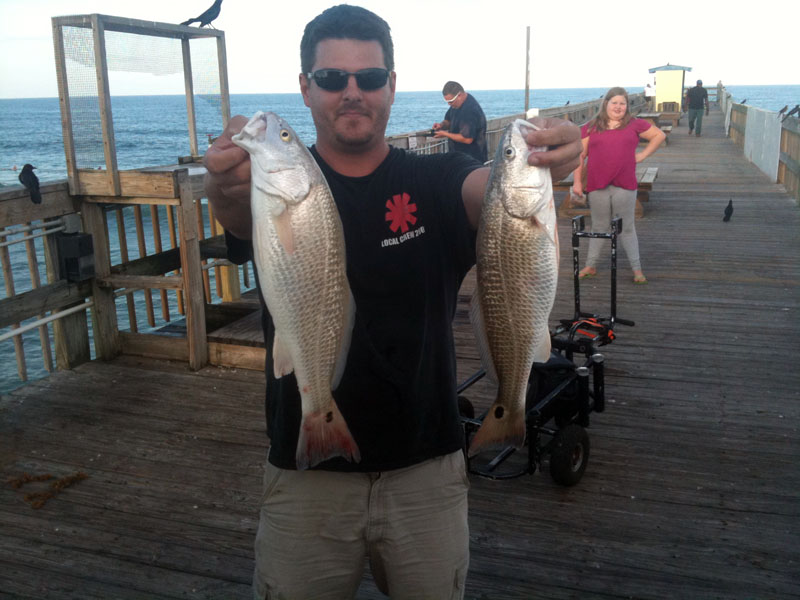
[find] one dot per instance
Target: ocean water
(152, 130)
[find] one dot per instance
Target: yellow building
(669, 86)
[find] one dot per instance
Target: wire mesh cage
(104, 61)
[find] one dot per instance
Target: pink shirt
(612, 156)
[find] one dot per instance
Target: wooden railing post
(192, 274)
(104, 314)
(70, 333)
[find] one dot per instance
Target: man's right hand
(227, 181)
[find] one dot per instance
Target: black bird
(743, 101)
(728, 211)
(567, 104)
(783, 110)
(28, 178)
(795, 110)
(208, 16)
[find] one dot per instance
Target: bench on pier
(645, 176)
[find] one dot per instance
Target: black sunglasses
(335, 80)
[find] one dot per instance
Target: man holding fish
(368, 464)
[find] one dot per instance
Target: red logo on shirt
(400, 212)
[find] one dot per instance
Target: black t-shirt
(470, 122)
(409, 246)
(697, 96)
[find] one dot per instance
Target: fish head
(282, 168)
(525, 190)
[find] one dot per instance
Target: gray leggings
(606, 204)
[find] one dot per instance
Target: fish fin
(282, 363)
(323, 435)
(542, 353)
(481, 339)
(283, 228)
(344, 347)
(500, 428)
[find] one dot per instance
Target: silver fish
(517, 274)
(298, 246)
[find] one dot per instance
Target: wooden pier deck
(692, 486)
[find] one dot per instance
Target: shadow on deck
(691, 489)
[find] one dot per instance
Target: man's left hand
(563, 142)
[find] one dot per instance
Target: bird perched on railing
(28, 178)
(206, 17)
(794, 111)
(783, 110)
(728, 211)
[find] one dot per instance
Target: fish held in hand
(517, 274)
(298, 247)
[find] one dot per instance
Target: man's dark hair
(451, 88)
(345, 22)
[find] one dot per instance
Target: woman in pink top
(610, 143)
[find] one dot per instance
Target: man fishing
(409, 225)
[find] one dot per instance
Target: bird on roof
(205, 18)
(28, 178)
(728, 211)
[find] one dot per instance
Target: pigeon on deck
(209, 15)
(28, 178)
(728, 211)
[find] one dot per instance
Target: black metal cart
(561, 392)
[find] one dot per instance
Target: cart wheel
(569, 455)
(465, 408)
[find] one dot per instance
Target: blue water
(152, 130)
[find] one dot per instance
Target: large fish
(517, 268)
(298, 246)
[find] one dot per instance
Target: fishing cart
(561, 392)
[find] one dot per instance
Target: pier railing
(421, 142)
(133, 263)
(768, 139)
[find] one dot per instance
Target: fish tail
(323, 435)
(500, 428)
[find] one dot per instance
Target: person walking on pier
(697, 101)
(610, 141)
(464, 123)
(403, 507)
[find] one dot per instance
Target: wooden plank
(139, 187)
(192, 274)
(173, 282)
(237, 355)
(70, 333)
(154, 346)
(104, 313)
(64, 104)
(189, 93)
(222, 67)
(16, 206)
(111, 173)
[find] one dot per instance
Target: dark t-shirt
(697, 96)
(470, 122)
(409, 246)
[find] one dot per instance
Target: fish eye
(285, 135)
(509, 151)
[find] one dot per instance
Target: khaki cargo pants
(317, 530)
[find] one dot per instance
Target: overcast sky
(479, 43)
